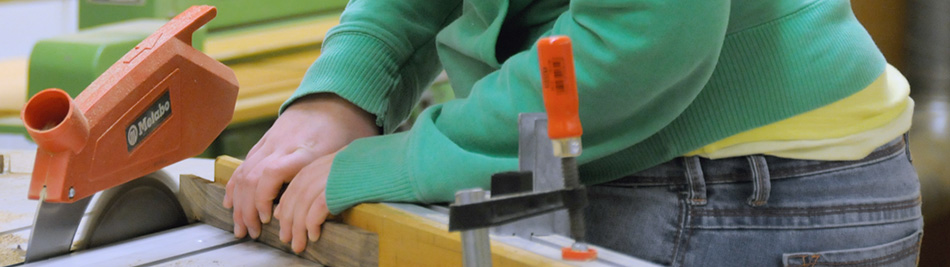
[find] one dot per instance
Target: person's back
(776, 59)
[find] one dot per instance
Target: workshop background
(269, 51)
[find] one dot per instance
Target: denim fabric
(764, 211)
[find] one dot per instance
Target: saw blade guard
(162, 102)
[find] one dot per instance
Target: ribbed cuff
(370, 170)
(355, 66)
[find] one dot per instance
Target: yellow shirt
(848, 129)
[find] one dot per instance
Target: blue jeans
(764, 211)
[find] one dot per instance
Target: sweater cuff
(370, 170)
(355, 66)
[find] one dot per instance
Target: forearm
(639, 64)
(380, 57)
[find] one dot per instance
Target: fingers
(228, 193)
(252, 223)
(278, 173)
(300, 228)
(300, 213)
(279, 156)
(258, 184)
(237, 186)
(316, 216)
(244, 212)
(239, 230)
(257, 146)
(245, 186)
(264, 198)
(284, 212)
(302, 208)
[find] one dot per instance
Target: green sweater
(656, 78)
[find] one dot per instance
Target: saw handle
(559, 87)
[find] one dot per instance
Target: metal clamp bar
(476, 247)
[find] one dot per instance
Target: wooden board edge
(391, 224)
(224, 167)
(339, 244)
(400, 226)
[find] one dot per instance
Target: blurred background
(270, 44)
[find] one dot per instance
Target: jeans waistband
(742, 169)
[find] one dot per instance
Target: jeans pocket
(902, 252)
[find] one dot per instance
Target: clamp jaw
(514, 194)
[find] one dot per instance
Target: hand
(310, 128)
(303, 206)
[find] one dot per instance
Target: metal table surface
(202, 245)
(192, 245)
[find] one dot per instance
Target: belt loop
(761, 181)
(696, 180)
(907, 147)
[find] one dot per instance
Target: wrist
(333, 105)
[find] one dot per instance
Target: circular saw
(162, 102)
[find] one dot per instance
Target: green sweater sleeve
(639, 64)
(380, 57)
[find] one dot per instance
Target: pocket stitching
(891, 258)
(810, 211)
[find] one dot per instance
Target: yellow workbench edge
(407, 239)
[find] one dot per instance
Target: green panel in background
(72, 62)
(110, 28)
(98, 12)
(239, 12)
(231, 13)
(12, 124)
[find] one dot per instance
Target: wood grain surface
(406, 239)
(339, 244)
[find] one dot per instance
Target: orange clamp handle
(559, 87)
(572, 255)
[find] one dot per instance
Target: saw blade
(54, 227)
(142, 206)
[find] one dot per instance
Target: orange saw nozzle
(162, 102)
(55, 122)
(559, 87)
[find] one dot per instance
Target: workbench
(193, 245)
(408, 234)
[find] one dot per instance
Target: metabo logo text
(153, 117)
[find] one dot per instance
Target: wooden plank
(224, 167)
(406, 239)
(264, 40)
(339, 244)
(266, 83)
(259, 107)
(12, 85)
